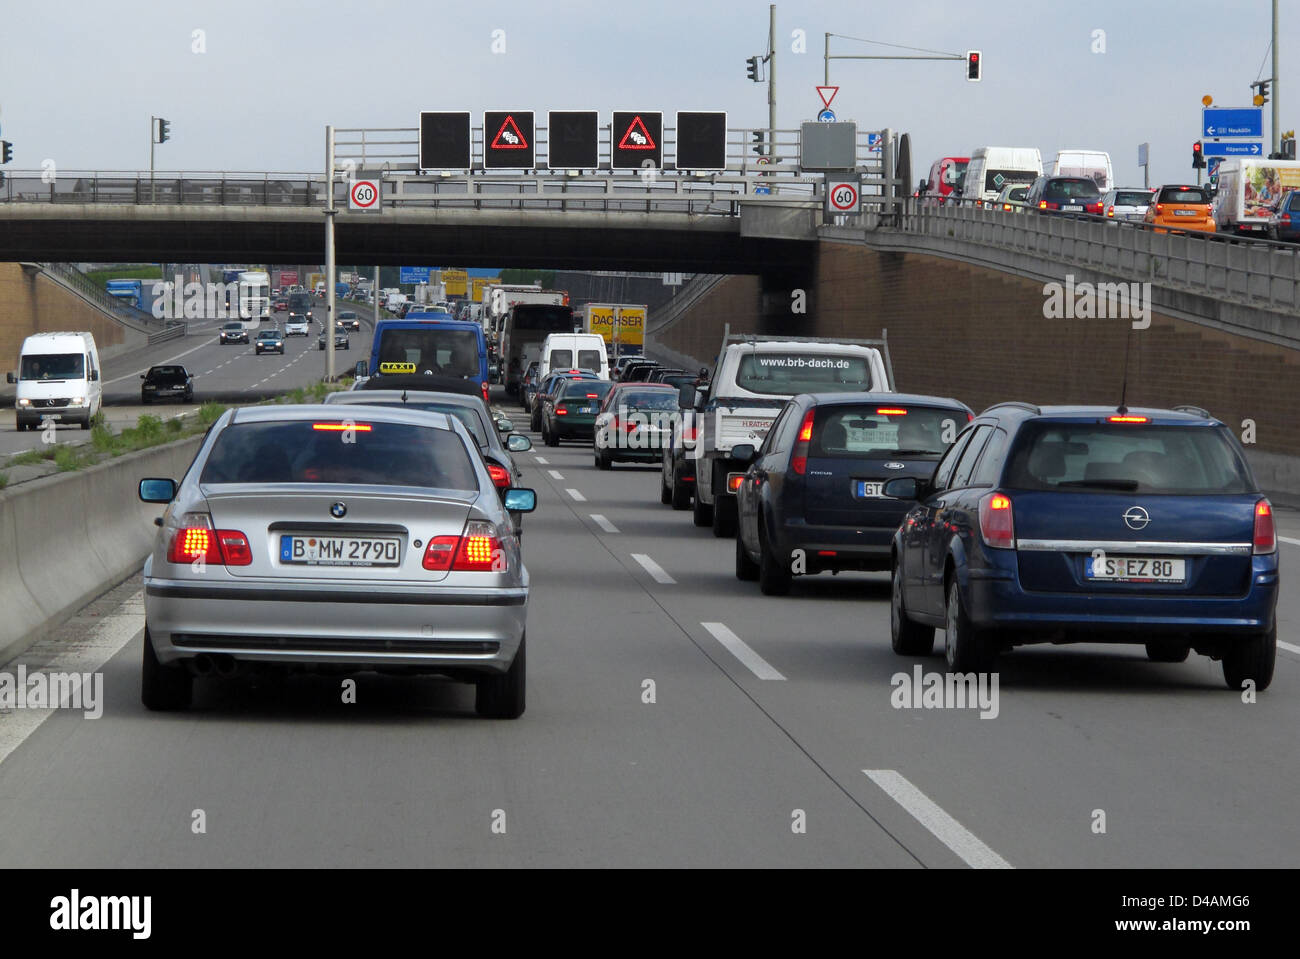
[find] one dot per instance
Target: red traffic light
(972, 64)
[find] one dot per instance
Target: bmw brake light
(997, 523)
(1265, 534)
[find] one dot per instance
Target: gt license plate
(868, 489)
(1137, 569)
(340, 550)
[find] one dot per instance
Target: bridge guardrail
(1259, 273)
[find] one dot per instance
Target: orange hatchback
(1179, 209)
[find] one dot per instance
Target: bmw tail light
(500, 475)
(1265, 533)
(480, 549)
(440, 552)
(190, 543)
(235, 550)
(997, 525)
(799, 455)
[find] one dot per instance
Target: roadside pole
(328, 324)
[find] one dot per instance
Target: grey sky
(79, 80)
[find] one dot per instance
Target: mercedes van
(580, 351)
(58, 377)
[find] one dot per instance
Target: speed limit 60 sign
(363, 195)
(842, 196)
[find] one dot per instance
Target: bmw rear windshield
(787, 374)
(343, 449)
(1127, 458)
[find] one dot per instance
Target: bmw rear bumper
(363, 625)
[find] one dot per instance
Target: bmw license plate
(1136, 569)
(340, 550)
(868, 489)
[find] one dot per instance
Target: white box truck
(58, 378)
(1250, 190)
(1092, 164)
(753, 378)
(992, 168)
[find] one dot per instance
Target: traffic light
(752, 68)
(6, 151)
(1288, 145)
(1198, 157)
(759, 137)
(163, 127)
(1261, 92)
(972, 64)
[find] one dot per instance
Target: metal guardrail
(1257, 273)
(71, 277)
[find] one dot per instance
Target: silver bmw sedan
(331, 539)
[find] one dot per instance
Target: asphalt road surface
(676, 717)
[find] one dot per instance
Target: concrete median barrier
(66, 539)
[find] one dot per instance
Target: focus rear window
(1123, 458)
(867, 431)
(383, 454)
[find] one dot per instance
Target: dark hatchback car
(570, 414)
(269, 341)
(635, 422)
(232, 332)
(1089, 524)
(1064, 194)
(1285, 224)
(552, 383)
(813, 497)
(166, 383)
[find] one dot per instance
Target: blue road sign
(873, 142)
(413, 274)
(763, 190)
(826, 116)
(1237, 148)
(1242, 122)
(1212, 165)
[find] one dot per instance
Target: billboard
(455, 282)
(479, 283)
(630, 320)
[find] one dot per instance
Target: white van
(992, 168)
(58, 377)
(574, 351)
(1092, 164)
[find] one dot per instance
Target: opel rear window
(787, 374)
(1108, 457)
(343, 449)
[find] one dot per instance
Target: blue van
(433, 343)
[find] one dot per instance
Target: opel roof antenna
(1123, 390)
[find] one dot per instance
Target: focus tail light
(997, 525)
(500, 475)
(799, 455)
(1265, 533)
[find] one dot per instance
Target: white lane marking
(145, 369)
(1289, 647)
(1288, 539)
(603, 523)
(577, 497)
(654, 569)
(543, 460)
(106, 638)
(556, 474)
(755, 663)
(929, 814)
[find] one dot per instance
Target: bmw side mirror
(157, 490)
(518, 443)
(744, 452)
(519, 500)
(905, 487)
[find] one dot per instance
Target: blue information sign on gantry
(413, 274)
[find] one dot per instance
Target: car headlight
(24, 402)
(78, 400)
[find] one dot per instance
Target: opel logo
(893, 466)
(1136, 517)
(339, 510)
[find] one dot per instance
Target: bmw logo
(339, 510)
(1135, 517)
(893, 466)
